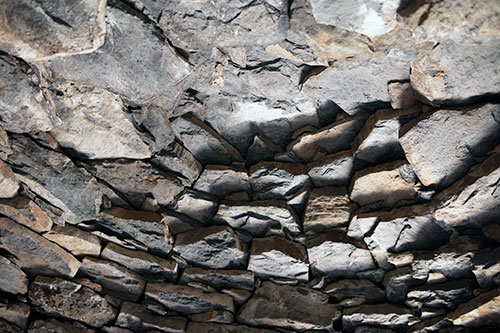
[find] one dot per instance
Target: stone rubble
(249, 166)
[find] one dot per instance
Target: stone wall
(249, 166)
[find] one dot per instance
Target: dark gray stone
(14, 279)
(219, 279)
(137, 318)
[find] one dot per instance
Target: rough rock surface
(282, 306)
(249, 166)
(33, 253)
(66, 298)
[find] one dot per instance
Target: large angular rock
(259, 218)
(43, 30)
(378, 140)
(437, 78)
(33, 253)
(474, 205)
(26, 212)
(327, 208)
(23, 106)
(55, 296)
(358, 87)
(181, 161)
(330, 140)
(128, 62)
(75, 240)
(483, 310)
(274, 180)
(56, 326)
(141, 262)
(188, 300)
(137, 318)
(115, 279)
(371, 18)
(138, 180)
(14, 279)
(359, 227)
(355, 292)
(142, 226)
(284, 307)
(410, 233)
(194, 327)
(196, 205)
(55, 178)
(379, 315)
(8, 181)
(200, 25)
(443, 295)
(276, 257)
(204, 143)
(219, 279)
(384, 184)
(212, 247)
(222, 181)
(94, 125)
(15, 312)
(333, 170)
(437, 154)
(336, 260)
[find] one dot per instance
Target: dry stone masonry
(249, 166)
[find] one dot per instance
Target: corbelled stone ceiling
(254, 166)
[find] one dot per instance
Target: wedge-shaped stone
(259, 218)
(33, 253)
(204, 143)
(333, 170)
(262, 149)
(222, 25)
(74, 240)
(437, 154)
(212, 247)
(142, 226)
(330, 140)
(284, 307)
(402, 94)
(276, 257)
(442, 295)
(336, 260)
(475, 205)
(94, 125)
(222, 181)
(115, 279)
(141, 262)
(274, 180)
(219, 279)
(137, 318)
(355, 292)
(55, 178)
(128, 62)
(327, 208)
(196, 205)
(188, 300)
(194, 327)
(181, 161)
(56, 326)
(14, 279)
(379, 315)
(15, 312)
(359, 227)
(138, 180)
(42, 30)
(8, 182)
(26, 212)
(411, 233)
(438, 77)
(482, 310)
(24, 108)
(378, 140)
(384, 184)
(55, 296)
